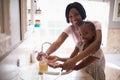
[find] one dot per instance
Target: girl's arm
(75, 52)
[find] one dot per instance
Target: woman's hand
(52, 59)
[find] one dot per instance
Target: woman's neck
(75, 28)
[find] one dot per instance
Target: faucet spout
(44, 44)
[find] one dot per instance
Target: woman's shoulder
(68, 29)
(96, 23)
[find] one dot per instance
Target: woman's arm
(85, 62)
(57, 43)
(75, 52)
(54, 46)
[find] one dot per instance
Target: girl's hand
(69, 65)
(52, 59)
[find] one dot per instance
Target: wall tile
(113, 41)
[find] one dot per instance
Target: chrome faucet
(44, 44)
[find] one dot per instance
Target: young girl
(94, 63)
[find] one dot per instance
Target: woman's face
(75, 17)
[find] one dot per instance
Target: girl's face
(75, 17)
(86, 34)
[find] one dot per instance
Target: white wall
(14, 21)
